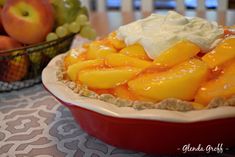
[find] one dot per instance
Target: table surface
(33, 123)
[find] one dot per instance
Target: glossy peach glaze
(222, 86)
(182, 71)
(221, 54)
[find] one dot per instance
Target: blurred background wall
(162, 4)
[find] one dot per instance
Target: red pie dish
(153, 131)
(161, 85)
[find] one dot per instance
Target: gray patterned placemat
(34, 124)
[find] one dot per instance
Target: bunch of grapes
(80, 25)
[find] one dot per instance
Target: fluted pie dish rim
(65, 94)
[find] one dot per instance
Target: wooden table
(105, 22)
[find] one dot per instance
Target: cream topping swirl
(157, 33)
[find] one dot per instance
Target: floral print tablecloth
(34, 124)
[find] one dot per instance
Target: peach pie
(163, 61)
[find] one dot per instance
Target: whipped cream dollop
(157, 33)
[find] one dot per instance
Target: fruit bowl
(153, 131)
(22, 67)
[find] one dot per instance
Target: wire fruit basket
(22, 67)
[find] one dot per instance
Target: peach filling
(182, 71)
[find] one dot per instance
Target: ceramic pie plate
(152, 131)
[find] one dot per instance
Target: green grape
(50, 52)
(17, 56)
(35, 57)
(88, 32)
(65, 11)
(92, 34)
(61, 31)
(83, 10)
(85, 31)
(81, 19)
(51, 36)
(74, 27)
(66, 25)
(87, 24)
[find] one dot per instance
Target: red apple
(28, 21)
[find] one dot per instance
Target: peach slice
(107, 78)
(123, 92)
(182, 81)
(74, 69)
(117, 43)
(116, 59)
(181, 51)
(99, 50)
(136, 51)
(73, 57)
(223, 86)
(224, 52)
